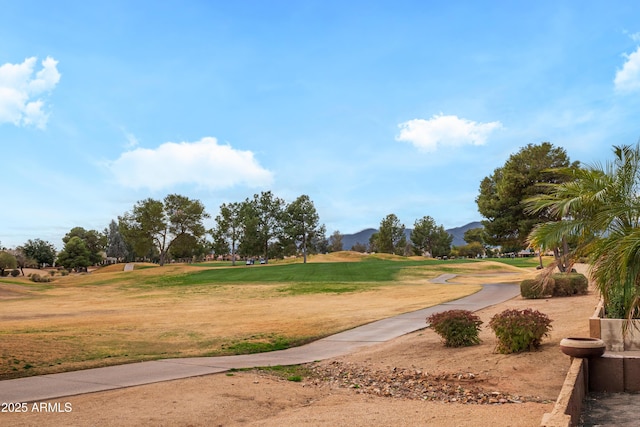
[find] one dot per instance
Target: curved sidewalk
(53, 386)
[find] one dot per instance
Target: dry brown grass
(97, 319)
(253, 398)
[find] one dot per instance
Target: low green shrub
(458, 328)
(519, 330)
(614, 305)
(558, 285)
(39, 279)
(568, 284)
(614, 308)
(534, 288)
(15, 272)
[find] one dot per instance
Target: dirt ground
(530, 381)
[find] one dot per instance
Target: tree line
(262, 227)
(265, 226)
(426, 238)
(173, 229)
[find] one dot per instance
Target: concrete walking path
(53, 386)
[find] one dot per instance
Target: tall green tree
(7, 261)
(264, 213)
(40, 250)
(116, 245)
(95, 242)
(474, 235)
(501, 197)
(220, 245)
(230, 227)
(302, 224)
(475, 238)
(442, 242)
(319, 242)
(390, 237)
(373, 243)
(75, 254)
(186, 247)
(157, 224)
(426, 236)
(250, 244)
(335, 242)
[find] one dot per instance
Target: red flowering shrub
(519, 330)
(458, 328)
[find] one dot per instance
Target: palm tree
(600, 207)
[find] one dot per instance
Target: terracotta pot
(582, 347)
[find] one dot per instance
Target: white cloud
(204, 163)
(441, 130)
(628, 78)
(20, 92)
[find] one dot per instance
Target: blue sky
(368, 107)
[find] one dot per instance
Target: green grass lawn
(368, 270)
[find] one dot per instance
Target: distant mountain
(458, 232)
(348, 240)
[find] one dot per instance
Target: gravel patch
(413, 383)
